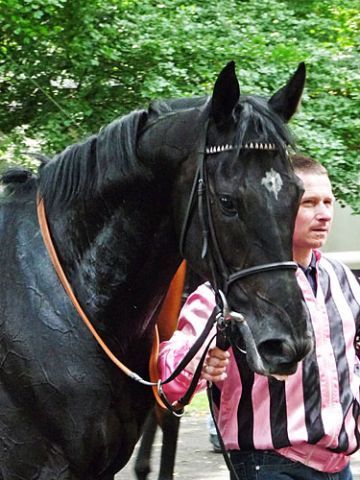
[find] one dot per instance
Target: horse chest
(67, 406)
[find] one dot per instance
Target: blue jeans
(265, 465)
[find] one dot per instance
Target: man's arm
(192, 320)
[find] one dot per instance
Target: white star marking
(272, 182)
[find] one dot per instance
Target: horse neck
(119, 255)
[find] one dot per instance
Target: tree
(70, 66)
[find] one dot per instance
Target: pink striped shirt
(313, 417)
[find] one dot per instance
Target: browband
(247, 146)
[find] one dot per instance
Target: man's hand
(215, 365)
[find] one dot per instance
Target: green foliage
(67, 67)
(199, 404)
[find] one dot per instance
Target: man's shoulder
(328, 262)
(332, 266)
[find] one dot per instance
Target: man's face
(315, 213)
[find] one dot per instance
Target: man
(307, 426)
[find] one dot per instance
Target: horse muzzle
(274, 356)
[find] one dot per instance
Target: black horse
(170, 425)
(115, 205)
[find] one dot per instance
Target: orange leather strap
(167, 320)
(166, 323)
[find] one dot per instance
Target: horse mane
(99, 162)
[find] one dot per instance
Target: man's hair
(307, 165)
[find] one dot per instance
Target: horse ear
(226, 93)
(285, 101)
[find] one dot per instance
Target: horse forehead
(265, 184)
(248, 168)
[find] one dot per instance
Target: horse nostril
(277, 351)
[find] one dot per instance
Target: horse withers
(207, 178)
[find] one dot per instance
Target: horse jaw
(280, 378)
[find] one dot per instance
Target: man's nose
(324, 212)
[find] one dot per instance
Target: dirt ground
(195, 458)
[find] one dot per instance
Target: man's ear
(226, 94)
(286, 100)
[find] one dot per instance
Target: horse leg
(142, 464)
(170, 425)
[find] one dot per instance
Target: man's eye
(227, 205)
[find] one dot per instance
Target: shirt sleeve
(354, 301)
(193, 317)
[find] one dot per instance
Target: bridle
(221, 276)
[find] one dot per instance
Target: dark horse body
(115, 205)
(170, 425)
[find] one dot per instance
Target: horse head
(235, 199)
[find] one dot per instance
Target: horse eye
(227, 205)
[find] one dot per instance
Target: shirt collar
(315, 257)
(310, 272)
(313, 261)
